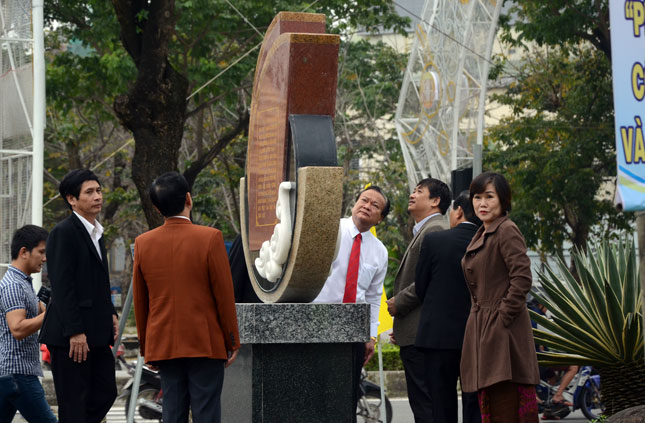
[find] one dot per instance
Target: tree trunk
(154, 108)
(206, 158)
(157, 123)
(622, 386)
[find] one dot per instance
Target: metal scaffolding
(22, 119)
(440, 114)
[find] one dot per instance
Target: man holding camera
(21, 315)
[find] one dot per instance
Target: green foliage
(391, 358)
(596, 320)
(369, 81)
(216, 191)
(558, 23)
(208, 34)
(82, 130)
(557, 148)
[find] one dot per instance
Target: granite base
(295, 364)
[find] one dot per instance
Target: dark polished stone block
(295, 364)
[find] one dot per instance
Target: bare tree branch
(204, 160)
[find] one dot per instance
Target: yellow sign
(385, 321)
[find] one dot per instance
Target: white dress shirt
(371, 271)
(179, 217)
(95, 231)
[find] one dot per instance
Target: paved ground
(401, 413)
(400, 410)
(115, 415)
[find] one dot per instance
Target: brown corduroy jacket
(183, 293)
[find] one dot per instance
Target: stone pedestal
(295, 364)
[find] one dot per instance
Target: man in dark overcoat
(445, 299)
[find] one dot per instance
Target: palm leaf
(560, 359)
(562, 341)
(596, 319)
(569, 281)
(631, 287)
(615, 317)
(565, 306)
(633, 336)
(560, 345)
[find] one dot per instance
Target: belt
(484, 304)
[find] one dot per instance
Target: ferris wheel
(440, 113)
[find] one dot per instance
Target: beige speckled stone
(319, 199)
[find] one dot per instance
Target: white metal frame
(440, 114)
(35, 119)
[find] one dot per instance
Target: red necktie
(352, 271)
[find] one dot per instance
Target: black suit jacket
(242, 287)
(80, 301)
(441, 288)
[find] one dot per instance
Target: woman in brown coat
(498, 358)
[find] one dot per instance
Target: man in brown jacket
(427, 205)
(184, 305)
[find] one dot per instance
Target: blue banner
(627, 19)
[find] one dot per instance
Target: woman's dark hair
(73, 181)
(503, 189)
(168, 193)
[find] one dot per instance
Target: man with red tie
(358, 272)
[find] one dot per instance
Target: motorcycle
(150, 399)
(583, 393)
(369, 402)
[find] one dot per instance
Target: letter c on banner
(638, 81)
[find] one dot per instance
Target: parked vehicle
(583, 393)
(149, 404)
(369, 402)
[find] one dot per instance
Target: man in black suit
(445, 299)
(80, 324)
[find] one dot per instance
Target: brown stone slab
(313, 23)
(296, 74)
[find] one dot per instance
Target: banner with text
(627, 19)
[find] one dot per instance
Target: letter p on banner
(635, 11)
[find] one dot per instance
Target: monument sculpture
(296, 359)
(291, 150)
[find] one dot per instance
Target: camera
(44, 294)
